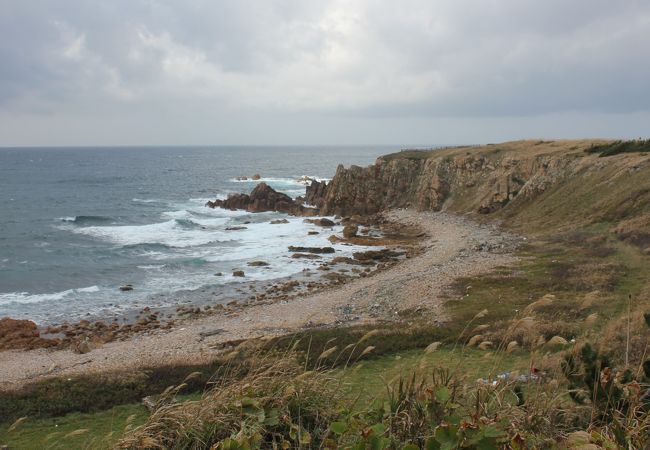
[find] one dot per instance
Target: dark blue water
(76, 223)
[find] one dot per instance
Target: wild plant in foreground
(277, 403)
(619, 399)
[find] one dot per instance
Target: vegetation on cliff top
(618, 147)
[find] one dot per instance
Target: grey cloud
(257, 63)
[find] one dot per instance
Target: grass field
(365, 381)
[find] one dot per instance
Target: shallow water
(77, 223)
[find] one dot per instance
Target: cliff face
(521, 180)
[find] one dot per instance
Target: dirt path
(454, 247)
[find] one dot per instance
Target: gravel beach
(454, 246)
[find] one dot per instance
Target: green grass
(618, 147)
(96, 392)
(103, 429)
(570, 266)
(367, 380)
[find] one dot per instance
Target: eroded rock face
(481, 181)
(315, 193)
(22, 334)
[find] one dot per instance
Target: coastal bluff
(530, 183)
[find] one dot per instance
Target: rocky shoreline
(438, 248)
(86, 335)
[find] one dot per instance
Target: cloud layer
(98, 72)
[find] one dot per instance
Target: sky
(291, 72)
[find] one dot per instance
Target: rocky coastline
(407, 205)
(377, 286)
(86, 335)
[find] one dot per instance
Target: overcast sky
(423, 72)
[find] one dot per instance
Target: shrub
(617, 147)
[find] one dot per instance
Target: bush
(617, 147)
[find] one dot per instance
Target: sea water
(78, 223)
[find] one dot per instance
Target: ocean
(78, 223)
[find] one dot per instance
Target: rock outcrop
(22, 334)
(263, 198)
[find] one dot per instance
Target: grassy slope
(80, 431)
(364, 381)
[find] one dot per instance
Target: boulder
(376, 255)
(22, 334)
(278, 221)
(322, 222)
(256, 177)
(126, 288)
(238, 273)
(350, 231)
(258, 264)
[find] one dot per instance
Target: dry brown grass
(276, 398)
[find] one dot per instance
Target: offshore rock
(263, 198)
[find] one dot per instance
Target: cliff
(530, 183)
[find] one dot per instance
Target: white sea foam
(302, 180)
(169, 233)
(26, 298)
(146, 200)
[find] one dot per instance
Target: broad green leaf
(447, 437)
(339, 427)
(443, 394)
(487, 444)
(378, 429)
(492, 431)
(432, 444)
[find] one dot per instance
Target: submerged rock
(295, 249)
(306, 256)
